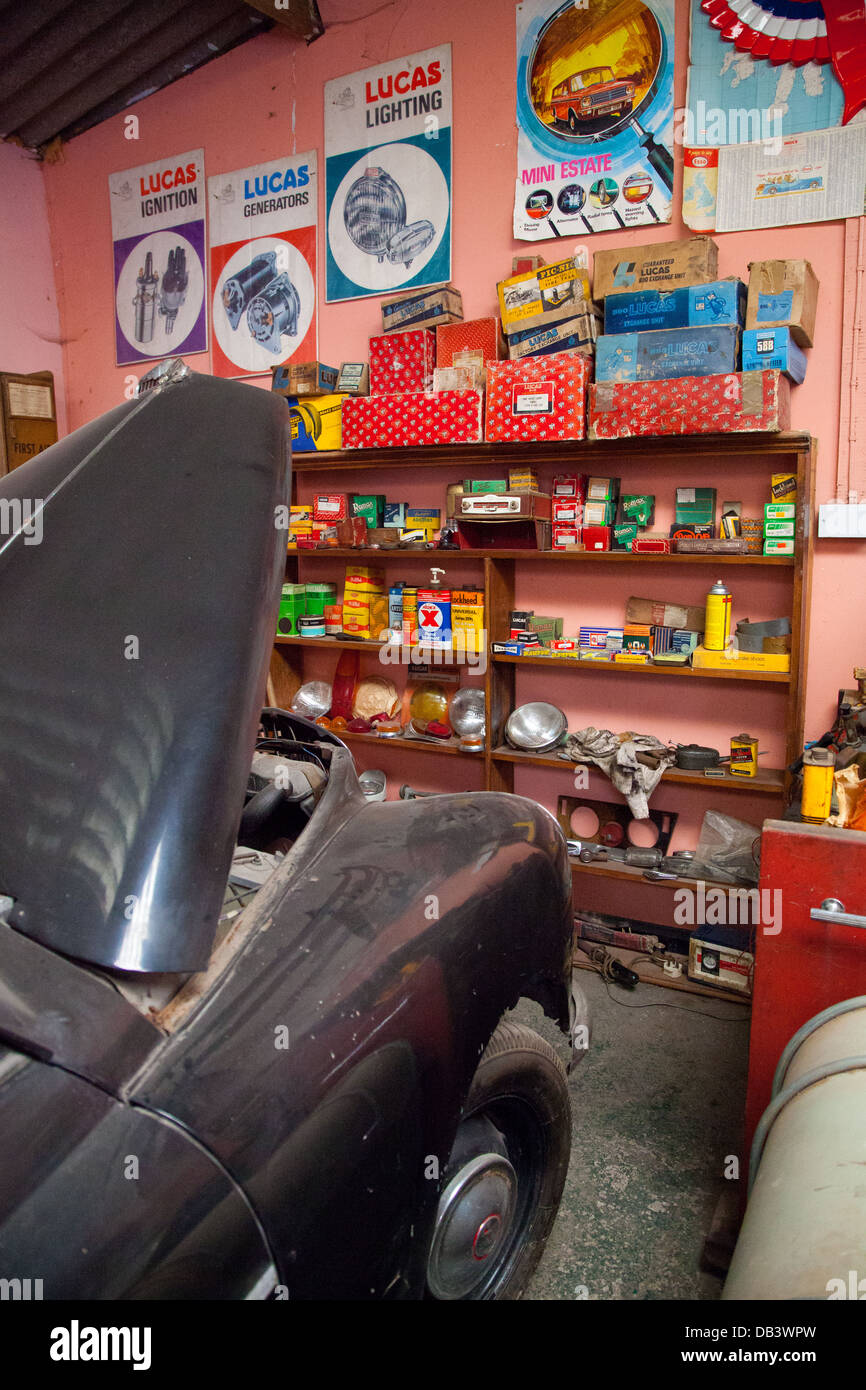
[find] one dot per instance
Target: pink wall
(266, 98)
(30, 339)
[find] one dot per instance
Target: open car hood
(136, 622)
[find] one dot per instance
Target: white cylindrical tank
(804, 1232)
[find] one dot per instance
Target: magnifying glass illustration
(594, 76)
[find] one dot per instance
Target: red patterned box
(402, 362)
(537, 398)
(412, 417)
(735, 402)
(473, 335)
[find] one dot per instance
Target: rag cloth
(633, 762)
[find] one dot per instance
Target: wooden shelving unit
(729, 454)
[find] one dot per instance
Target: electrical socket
(845, 520)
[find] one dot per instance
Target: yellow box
(467, 618)
(783, 487)
(704, 660)
(539, 297)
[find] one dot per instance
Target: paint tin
(434, 617)
(333, 619)
(744, 756)
(819, 765)
(311, 625)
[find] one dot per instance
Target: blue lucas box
(667, 352)
(722, 302)
(766, 349)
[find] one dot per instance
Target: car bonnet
(140, 568)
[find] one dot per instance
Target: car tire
(572, 122)
(503, 1182)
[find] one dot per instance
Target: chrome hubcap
(473, 1224)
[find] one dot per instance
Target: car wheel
(504, 1178)
(572, 122)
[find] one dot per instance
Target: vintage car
(250, 1023)
(591, 93)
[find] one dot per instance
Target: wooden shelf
(412, 745)
(628, 873)
(623, 669)
(747, 446)
(557, 556)
(651, 974)
(767, 781)
(348, 645)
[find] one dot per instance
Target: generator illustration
(375, 219)
(270, 300)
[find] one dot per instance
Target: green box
(369, 505)
(624, 534)
(548, 629)
(779, 511)
(638, 507)
(293, 600)
(696, 504)
(779, 528)
(485, 485)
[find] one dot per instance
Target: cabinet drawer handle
(832, 910)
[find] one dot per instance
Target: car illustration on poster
(589, 94)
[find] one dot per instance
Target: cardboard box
(353, 378)
(422, 308)
(471, 335)
(523, 480)
(720, 302)
(330, 507)
(579, 332)
(595, 537)
(570, 485)
(524, 264)
(779, 545)
(729, 404)
(695, 504)
(395, 515)
(662, 613)
(783, 294)
(538, 398)
(743, 661)
(667, 352)
(402, 362)
(412, 418)
(565, 536)
(463, 378)
(28, 417)
(779, 511)
(304, 379)
(779, 529)
(426, 519)
(541, 297)
(316, 424)
(773, 348)
(783, 487)
(370, 506)
(567, 511)
(665, 265)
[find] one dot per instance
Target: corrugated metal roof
(66, 65)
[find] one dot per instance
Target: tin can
(395, 611)
(333, 619)
(819, 765)
(410, 615)
(311, 626)
(320, 597)
(434, 617)
(717, 620)
(744, 756)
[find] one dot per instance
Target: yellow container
(819, 765)
(744, 756)
(717, 619)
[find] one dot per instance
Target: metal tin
(717, 622)
(311, 625)
(744, 756)
(819, 765)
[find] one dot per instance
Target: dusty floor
(658, 1106)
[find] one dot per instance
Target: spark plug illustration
(145, 300)
(174, 285)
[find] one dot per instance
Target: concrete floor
(658, 1106)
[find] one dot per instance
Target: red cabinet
(802, 963)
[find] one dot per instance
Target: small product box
(547, 295)
(412, 418)
(721, 302)
(696, 504)
(783, 487)
(565, 536)
(402, 362)
(664, 265)
(567, 509)
(538, 398)
(651, 545)
(523, 480)
(783, 529)
(598, 513)
(622, 535)
(783, 294)
(780, 511)
(595, 537)
(638, 507)
(667, 352)
(579, 332)
(602, 489)
(692, 530)
(426, 519)
(570, 485)
(730, 403)
(354, 378)
(487, 485)
(316, 424)
(370, 506)
(330, 507)
(773, 348)
(775, 545)
(471, 335)
(304, 379)
(422, 308)
(394, 515)
(684, 640)
(663, 613)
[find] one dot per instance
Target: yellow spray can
(818, 767)
(717, 620)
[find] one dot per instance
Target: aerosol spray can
(818, 768)
(717, 621)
